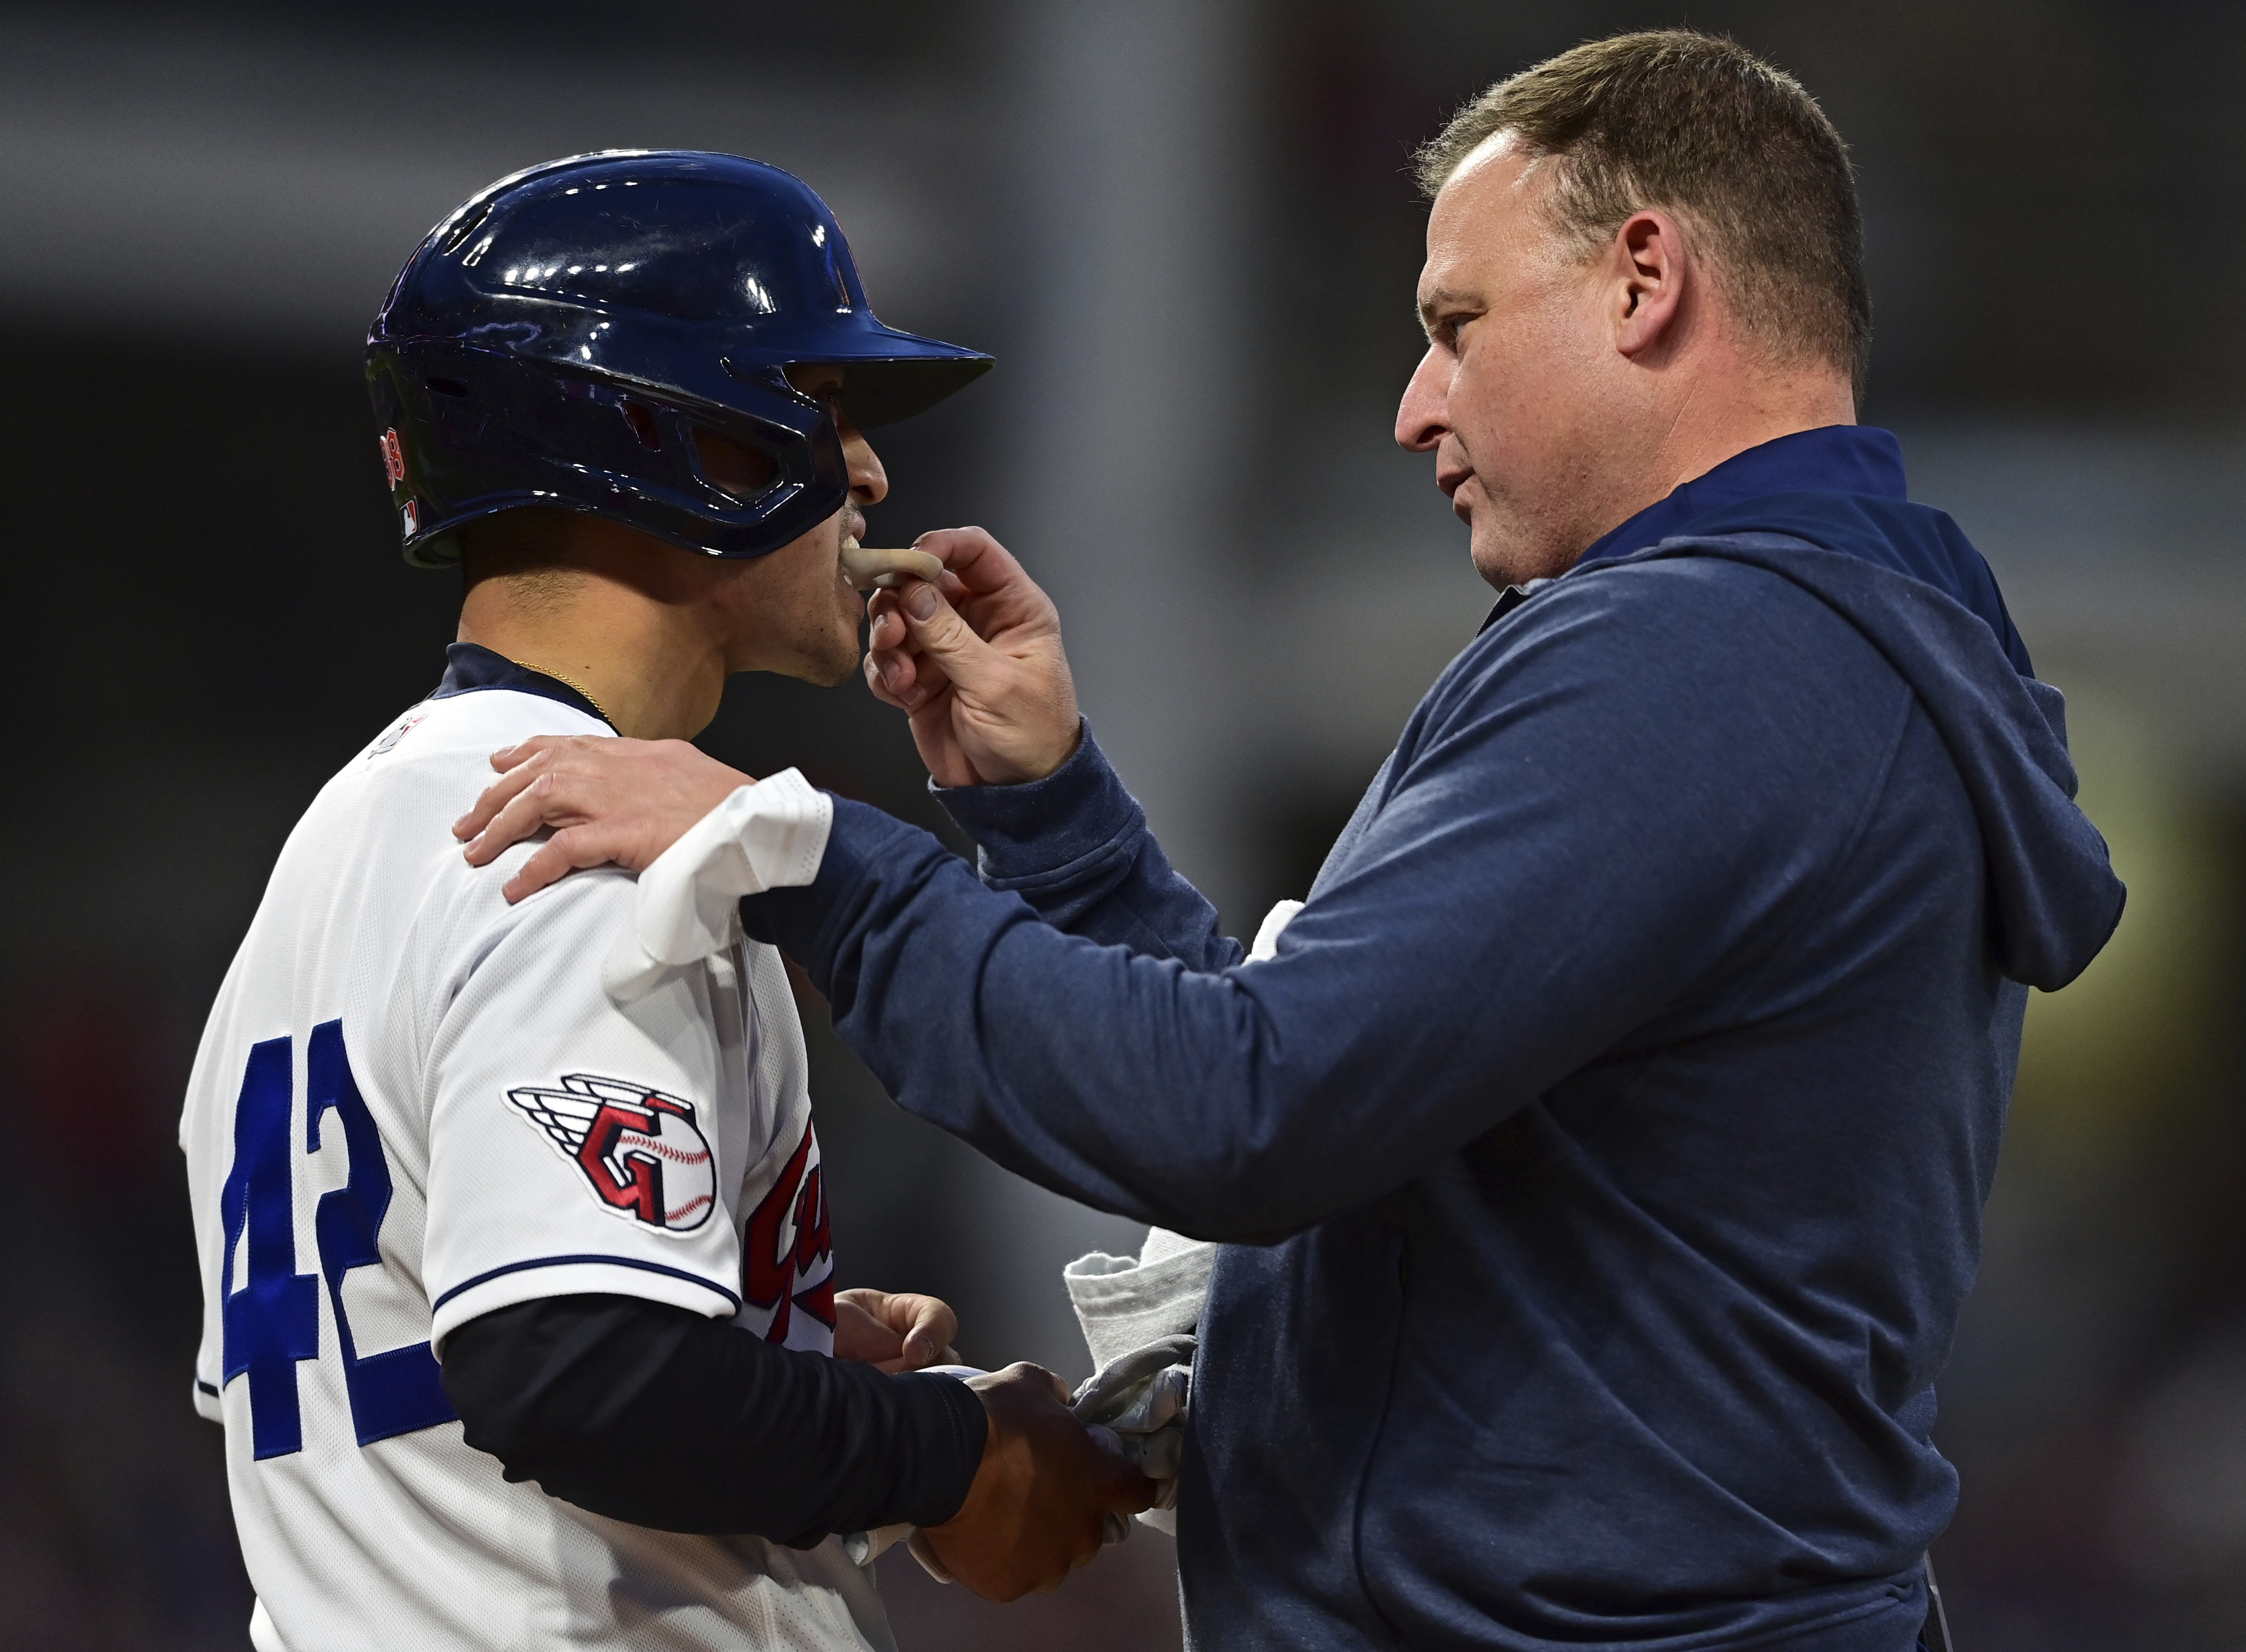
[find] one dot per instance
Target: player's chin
(837, 663)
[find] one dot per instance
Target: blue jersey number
(274, 1319)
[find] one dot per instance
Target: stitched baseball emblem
(639, 1150)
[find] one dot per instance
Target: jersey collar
(470, 666)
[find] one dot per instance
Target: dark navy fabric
(656, 1416)
(470, 666)
(1841, 488)
(1602, 1157)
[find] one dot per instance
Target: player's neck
(648, 666)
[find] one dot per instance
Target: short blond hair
(1698, 126)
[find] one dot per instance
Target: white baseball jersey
(414, 1103)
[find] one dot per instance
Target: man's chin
(1493, 559)
(1489, 547)
(1515, 550)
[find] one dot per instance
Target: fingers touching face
(898, 670)
(983, 580)
(792, 612)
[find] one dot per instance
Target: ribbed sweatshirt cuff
(1044, 831)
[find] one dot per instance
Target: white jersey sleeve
(575, 1144)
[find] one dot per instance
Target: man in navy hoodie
(1600, 1158)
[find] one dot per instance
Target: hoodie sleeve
(1075, 845)
(1595, 814)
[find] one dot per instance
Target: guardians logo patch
(640, 1150)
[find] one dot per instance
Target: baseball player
(518, 1271)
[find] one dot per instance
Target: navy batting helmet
(572, 335)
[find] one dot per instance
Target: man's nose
(869, 483)
(1421, 418)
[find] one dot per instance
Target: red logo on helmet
(393, 457)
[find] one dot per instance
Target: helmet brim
(901, 376)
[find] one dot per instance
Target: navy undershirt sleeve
(649, 1413)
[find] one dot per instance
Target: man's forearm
(1076, 847)
(1204, 1102)
(648, 1413)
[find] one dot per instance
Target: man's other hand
(607, 800)
(976, 664)
(894, 1331)
(1039, 1507)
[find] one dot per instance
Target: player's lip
(1450, 478)
(854, 528)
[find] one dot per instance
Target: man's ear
(1650, 273)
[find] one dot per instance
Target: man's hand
(894, 1333)
(1039, 1507)
(978, 666)
(609, 800)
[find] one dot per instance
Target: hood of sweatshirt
(1841, 486)
(2055, 900)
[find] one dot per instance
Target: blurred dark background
(1185, 228)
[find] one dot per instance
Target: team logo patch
(646, 1159)
(393, 457)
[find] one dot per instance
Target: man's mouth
(1454, 484)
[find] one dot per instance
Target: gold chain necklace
(547, 671)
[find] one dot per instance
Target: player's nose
(869, 483)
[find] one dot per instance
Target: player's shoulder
(386, 817)
(437, 755)
(469, 727)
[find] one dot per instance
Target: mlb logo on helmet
(411, 518)
(640, 1150)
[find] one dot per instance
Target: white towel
(771, 834)
(1125, 1304)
